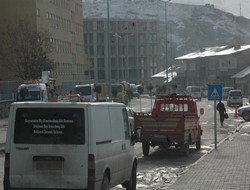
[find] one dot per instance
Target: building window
(100, 51)
(37, 12)
(100, 38)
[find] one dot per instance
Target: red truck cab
(174, 121)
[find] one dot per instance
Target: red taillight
(91, 165)
(7, 164)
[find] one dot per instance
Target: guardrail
(5, 108)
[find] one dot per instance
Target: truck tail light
(91, 165)
(7, 164)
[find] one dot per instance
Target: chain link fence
(8, 89)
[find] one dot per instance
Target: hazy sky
(237, 7)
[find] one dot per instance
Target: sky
(236, 7)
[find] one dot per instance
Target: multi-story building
(222, 65)
(134, 49)
(63, 20)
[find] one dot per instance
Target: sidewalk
(226, 168)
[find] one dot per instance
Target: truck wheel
(145, 148)
(198, 145)
(105, 182)
(133, 179)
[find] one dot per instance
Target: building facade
(63, 20)
(134, 50)
(214, 65)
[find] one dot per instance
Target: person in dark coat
(222, 110)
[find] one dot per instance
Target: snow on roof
(214, 51)
(162, 74)
(242, 73)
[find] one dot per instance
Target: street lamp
(107, 65)
(117, 36)
(166, 20)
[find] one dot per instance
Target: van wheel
(145, 148)
(105, 182)
(131, 184)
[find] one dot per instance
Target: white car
(244, 112)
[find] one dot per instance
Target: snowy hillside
(190, 27)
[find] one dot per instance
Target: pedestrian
(222, 110)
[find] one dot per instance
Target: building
(63, 20)
(215, 65)
(134, 49)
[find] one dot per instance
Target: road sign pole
(215, 93)
(215, 126)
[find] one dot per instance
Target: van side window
(126, 124)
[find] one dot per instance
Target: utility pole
(166, 31)
(107, 66)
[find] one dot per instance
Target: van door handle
(123, 146)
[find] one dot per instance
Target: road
(163, 167)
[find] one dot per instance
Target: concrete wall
(4, 108)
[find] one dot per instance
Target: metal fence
(8, 89)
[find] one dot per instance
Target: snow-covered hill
(190, 27)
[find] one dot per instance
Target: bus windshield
(31, 96)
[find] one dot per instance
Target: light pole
(166, 31)
(107, 66)
(117, 36)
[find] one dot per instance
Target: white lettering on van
(52, 132)
(31, 120)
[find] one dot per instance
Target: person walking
(222, 110)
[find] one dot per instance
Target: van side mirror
(201, 111)
(136, 135)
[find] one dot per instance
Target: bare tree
(25, 51)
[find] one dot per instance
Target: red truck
(174, 121)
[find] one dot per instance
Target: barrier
(236, 112)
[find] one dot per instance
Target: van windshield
(195, 89)
(235, 93)
(49, 126)
(83, 90)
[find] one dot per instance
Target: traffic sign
(214, 92)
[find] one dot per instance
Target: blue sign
(214, 92)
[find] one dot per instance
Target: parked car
(235, 98)
(244, 112)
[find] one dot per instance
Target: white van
(194, 91)
(69, 145)
(235, 98)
